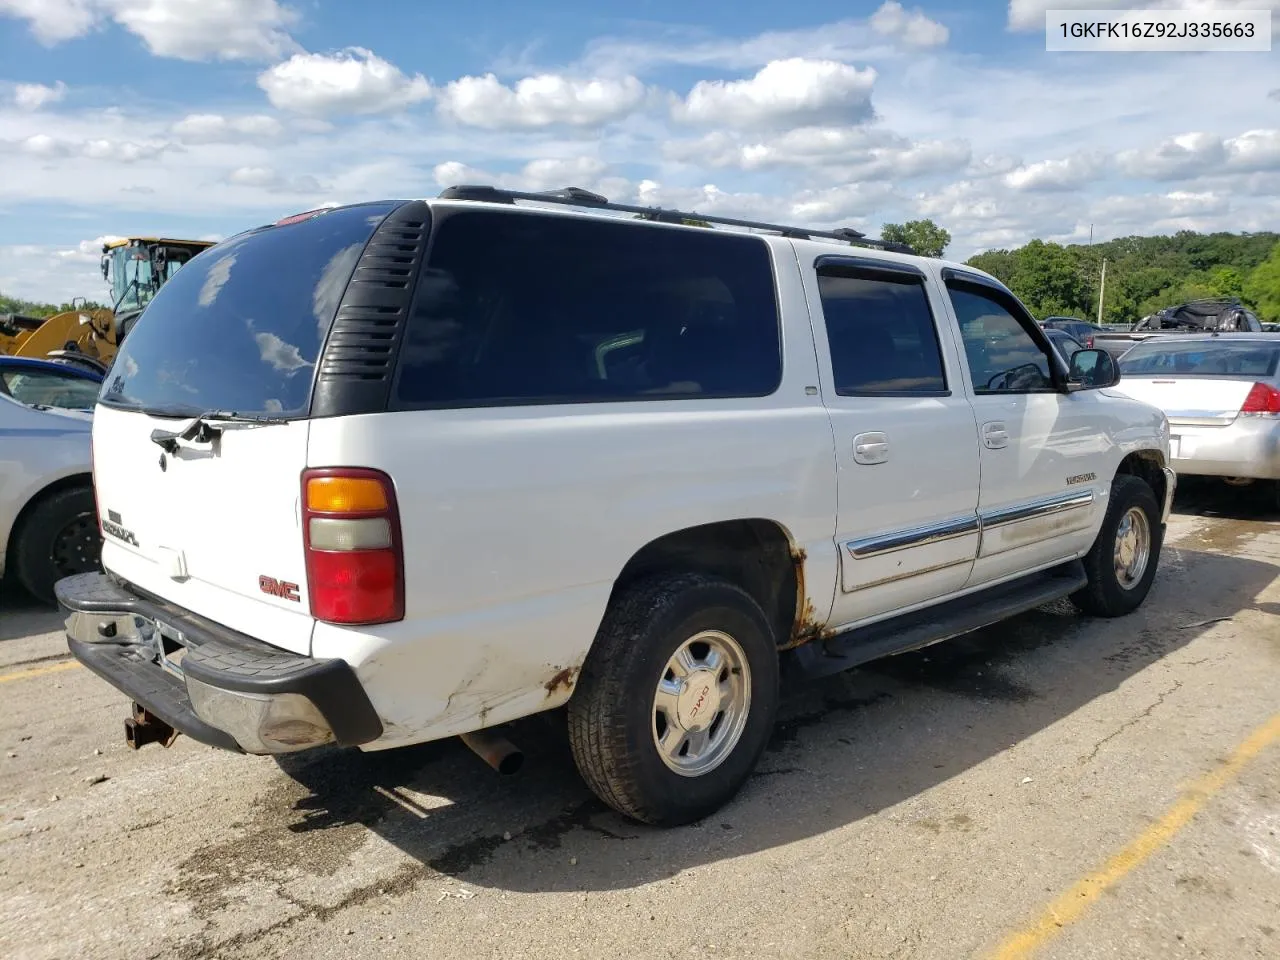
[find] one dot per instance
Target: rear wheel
(1122, 563)
(676, 700)
(57, 538)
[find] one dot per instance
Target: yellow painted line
(40, 671)
(1072, 904)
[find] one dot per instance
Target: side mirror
(1092, 370)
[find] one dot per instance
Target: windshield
(133, 279)
(1201, 358)
(49, 388)
(241, 328)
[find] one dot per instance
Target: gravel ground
(1054, 785)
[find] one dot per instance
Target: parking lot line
(39, 671)
(1071, 905)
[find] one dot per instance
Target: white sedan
(1221, 393)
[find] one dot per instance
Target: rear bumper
(215, 685)
(1247, 448)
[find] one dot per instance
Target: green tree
(1262, 290)
(925, 237)
(1049, 280)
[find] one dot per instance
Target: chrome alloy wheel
(700, 707)
(1133, 548)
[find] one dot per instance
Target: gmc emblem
(279, 588)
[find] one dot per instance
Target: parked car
(48, 522)
(399, 471)
(1221, 393)
(1221, 315)
(49, 383)
(1082, 331)
(1064, 343)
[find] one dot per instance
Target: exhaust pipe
(498, 752)
(145, 727)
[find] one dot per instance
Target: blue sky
(202, 117)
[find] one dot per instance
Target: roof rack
(578, 197)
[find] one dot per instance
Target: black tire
(57, 538)
(1105, 595)
(612, 714)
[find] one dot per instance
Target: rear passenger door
(906, 441)
(1041, 448)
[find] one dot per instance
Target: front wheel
(1122, 562)
(677, 699)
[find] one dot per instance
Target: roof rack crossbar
(577, 197)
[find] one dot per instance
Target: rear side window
(881, 333)
(520, 308)
(46, 388)
(241, 326)
(1198, 358)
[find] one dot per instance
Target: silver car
(48, 520)
(1221, 393)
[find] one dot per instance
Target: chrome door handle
(870, 448)
(995, 436)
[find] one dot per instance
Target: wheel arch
(757, 554)
(1148, 466)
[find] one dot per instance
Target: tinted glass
(519, 308)
(241, 326)
(1001, 354)
(1220, 358)
(881, 334)
(48, 389)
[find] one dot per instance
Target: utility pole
(1102, 289)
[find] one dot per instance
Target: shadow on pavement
(22, 616)
(1210, 497)
(844, 749)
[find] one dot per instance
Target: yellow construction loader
(135, 267)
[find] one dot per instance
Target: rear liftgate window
(520, 308)
(240, 327)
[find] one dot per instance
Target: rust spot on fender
(564, 678)
(806, 627)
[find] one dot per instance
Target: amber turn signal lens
(345, 495)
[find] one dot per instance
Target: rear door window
(47, 388)
(526, 308)
(881, 333)
(241, 326)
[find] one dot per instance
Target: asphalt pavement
(1056, 787)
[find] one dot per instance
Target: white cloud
(1029, 14)
(784, 93)
(268, 178)
(47, 147)
(914, 28)
(540, 101)
(354, 81)
(208, 29)
(1068, 173)
(590, 173)
(1191, 155)
(34, 96)
(215, 128)
(844, 153)
(53, 21)
(183, 29)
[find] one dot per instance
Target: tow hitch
(145, 727)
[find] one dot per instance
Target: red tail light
(1262, 400)
(351, 531)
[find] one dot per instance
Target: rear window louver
(359, 355)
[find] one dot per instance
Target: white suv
(399, 471)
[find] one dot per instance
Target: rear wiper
(201, 430)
